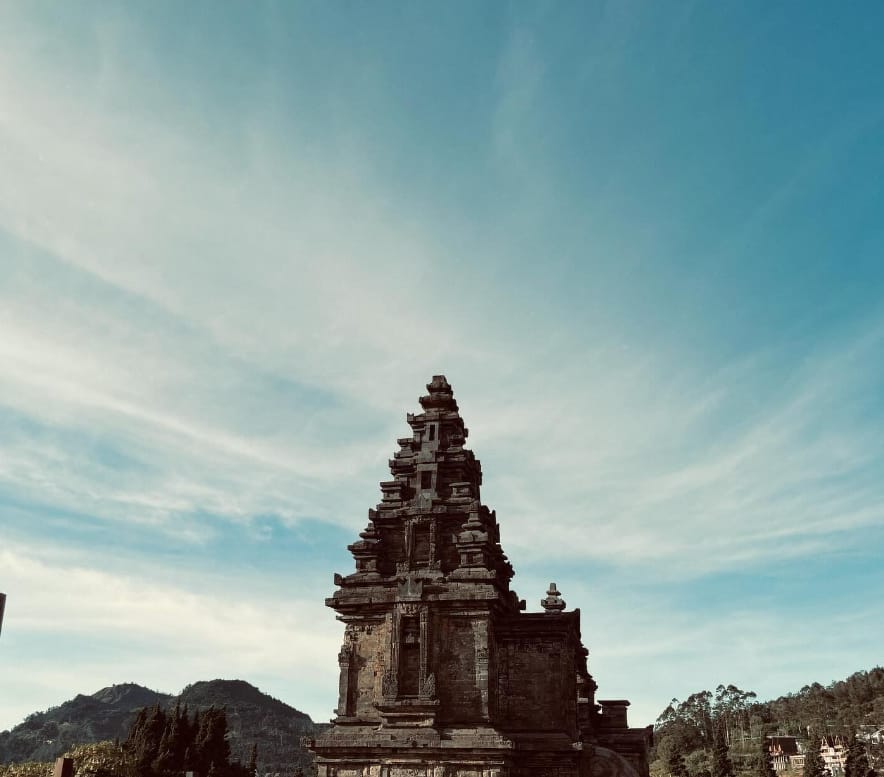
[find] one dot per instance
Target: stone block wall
(460, 683)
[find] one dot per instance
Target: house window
(432, 432)
(426, 479)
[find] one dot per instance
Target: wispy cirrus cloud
(138, 347)
(793, 471)
(153, 630)
(215, 315)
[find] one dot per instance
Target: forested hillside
(253, 719)
(840, 707)
(690, 735)
(106, 714)
(692, 731)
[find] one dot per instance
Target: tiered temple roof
(442, 673)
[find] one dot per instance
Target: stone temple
(442, 672)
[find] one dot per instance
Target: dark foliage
(706, 726)
(843, 706)
(813, 763)
(764, 767)
(721, 762)
(252, 718)
(675, 763)
(857, 763)
(253, 761)
(105, 715)
(165, 744)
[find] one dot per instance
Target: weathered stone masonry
(442, 673)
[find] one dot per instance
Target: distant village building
(871, 734)
(786, 753)
(783, 750)
(442, 672)
(833, 749)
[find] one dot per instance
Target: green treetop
(857, 763)
(674, 760)
(813, 760)
(721, 762)
(764, 766)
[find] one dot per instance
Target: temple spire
(441, 670)
(440, 396)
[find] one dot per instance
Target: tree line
(163, 743)
(722, 733)
(158, 744)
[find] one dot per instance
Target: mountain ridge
(254, 718)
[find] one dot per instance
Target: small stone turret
(553, 601)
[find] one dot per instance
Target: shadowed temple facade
(442, 672)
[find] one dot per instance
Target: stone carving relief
(428, 691)
(353, 630)
(410, 588)
(389, 685)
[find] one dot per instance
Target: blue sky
(644, 242)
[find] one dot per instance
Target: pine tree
(179, 738)
(764, 767)
(253, 761)
(223, 744)
(211, 740)
(721, 762)
(813, 760)
(136, 729)
(165, 760)
(164, 744)
(147, 742)
(857, 762)
(193, 734)
(675, 764)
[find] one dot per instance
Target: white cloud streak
(187, 294)
(246, 334)
(157, 633)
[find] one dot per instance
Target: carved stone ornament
(553, 602)
(389, 685)
(410, 588)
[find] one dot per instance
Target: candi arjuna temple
(443, 673)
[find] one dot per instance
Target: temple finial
(440, 396)
(553, 601)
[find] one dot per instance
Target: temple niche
(442, 672)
